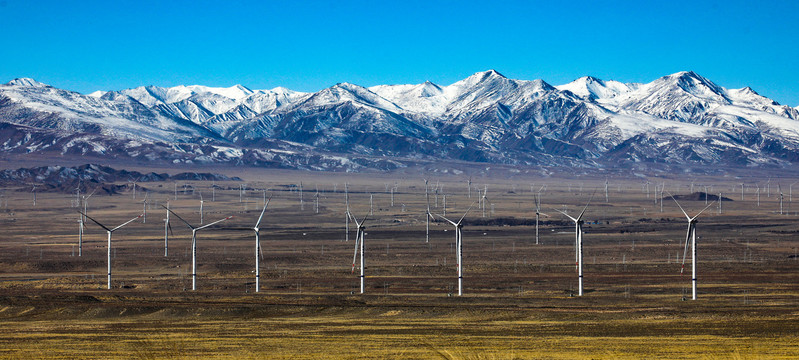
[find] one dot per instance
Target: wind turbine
(470, 187)
(201, 208)
(83, 221)
(459, 246)
(302, 203)
(167, 230)
(77, 196)
(768, 188)
(194, 231)
(131, 181)
(758, 195)
(316, 200)
(359, 243)
(347, 213)
(781, 197)
(484, 198)
(427, 214)
(578, 231)
(110, 231)
(34, 194)
(258, 253)
(538, 212)
(690, 237)
(144, 211)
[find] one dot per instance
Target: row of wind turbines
(361, 226)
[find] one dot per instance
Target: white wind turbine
(359, 238)
(82, 221)
(538, 212)
(742, 191)
(459, 246)
(258, 253)
(758, 195)
(194, 231)
(316, 200)
(34, 194)
(77, 196)
(202, 213)
(427, 214)
(144, 211)
(483, 199)
(779, 188)
(346, 213)
(578, 231)
(167, 230)
(690, 237)
(131, 181)
(110, 231)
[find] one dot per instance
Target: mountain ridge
(678, 119)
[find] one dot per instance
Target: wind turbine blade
(260, 252)
(126, 222)
(681, 209)
(169, 225)
(90, 195)
(703, 210)
(567, 215)
(263, 211)
(464, 214)
(685, 251)
(427, 196)
(355, 255)
(586, 205)
(364, 219)
(95, 221)
(355, 220)
(447, 220)
(214, 223)
(178, 216)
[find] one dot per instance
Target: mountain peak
(695, 84)
(28, 82)
(491, 73)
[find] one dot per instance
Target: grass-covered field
(518, 296)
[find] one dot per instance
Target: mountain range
(678, 120)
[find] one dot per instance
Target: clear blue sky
(308, 45)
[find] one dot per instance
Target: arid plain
(519, 297)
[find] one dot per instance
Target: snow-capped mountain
(679, 119)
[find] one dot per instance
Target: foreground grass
(378, 328)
